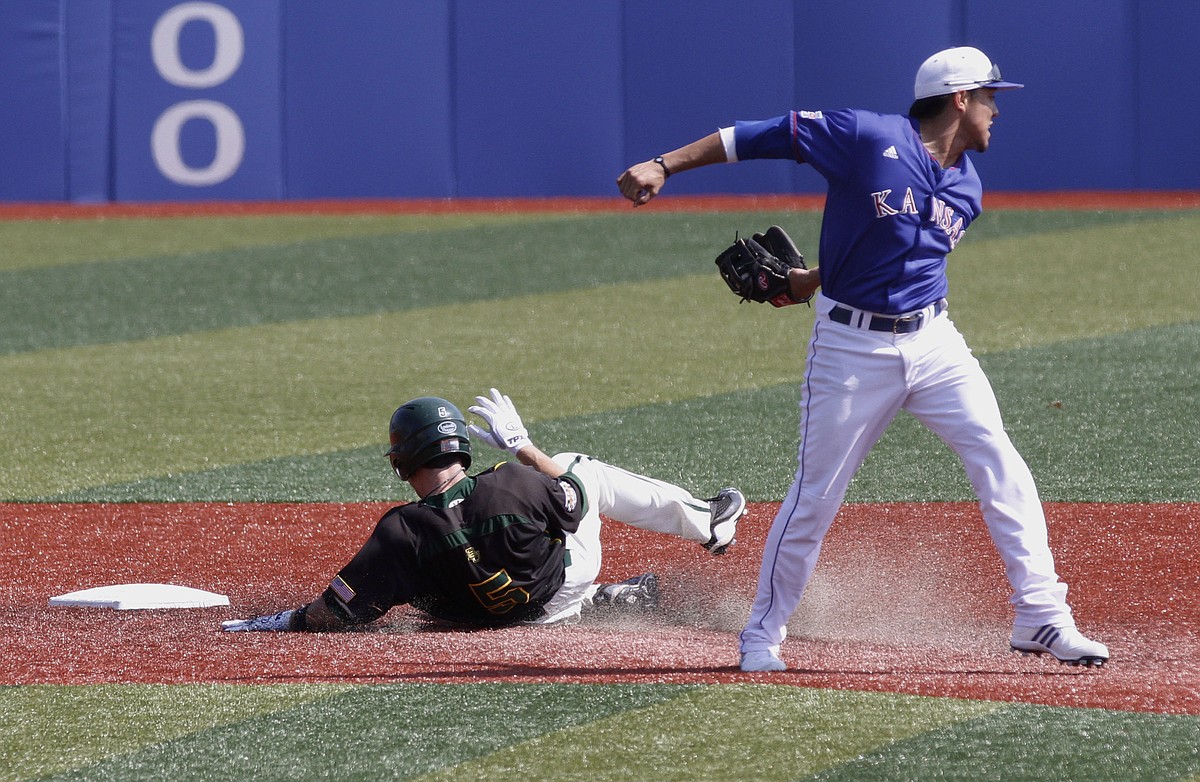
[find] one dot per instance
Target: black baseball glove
(757, 268)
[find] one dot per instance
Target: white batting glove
(275, 623)
(507, 433)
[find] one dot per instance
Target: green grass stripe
(252, 278)
(47, 730)
(95, 415)
(572, 732)
(749, 732)
(1107, 419)
(355, 475)
(1039, 743)
(125, 300)
(1063, 405)
(1011, 223)
(1074, 284)
(116, 414)
(39, 243)
(29, 244)
(378, 732)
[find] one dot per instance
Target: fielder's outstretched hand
(642, 182)
(275, 623)
(505, 431)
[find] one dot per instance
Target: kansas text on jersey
(892, 213)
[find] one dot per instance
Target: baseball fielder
(902, 193)
(515, 543)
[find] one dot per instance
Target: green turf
(294, 422)
(47, 730)
(252, 271)
(259, 358)
(30, 244)
(1036, 742)
(86, 416)
(367, 733)
(1060, 404)
(574, 732)
(347, 274)
(1065, 284)
(726, 733)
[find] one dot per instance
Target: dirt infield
(1082, 199)
(907, 598)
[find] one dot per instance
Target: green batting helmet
(422, 430)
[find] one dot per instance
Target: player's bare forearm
(534, 457)
(702, 152)
(641, 182)
(804, 282)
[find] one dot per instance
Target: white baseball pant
(620, 495)
(855, 382)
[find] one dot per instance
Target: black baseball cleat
(639, 593)
(1066, 644)
(727, 509)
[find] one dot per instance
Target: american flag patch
(341, 589)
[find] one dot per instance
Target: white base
(124, 597)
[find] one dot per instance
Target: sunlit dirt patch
(907, 598)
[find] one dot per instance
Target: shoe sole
(651, 591)
(717, 551)
(1087, 661)
(645, 599)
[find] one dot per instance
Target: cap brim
(933, 91)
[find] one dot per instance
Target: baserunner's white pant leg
(642, 502)
(623, 496)
(584, 557)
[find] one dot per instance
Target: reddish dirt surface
(1086, 199)
(907, 598)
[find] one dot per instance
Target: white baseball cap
(960, 68)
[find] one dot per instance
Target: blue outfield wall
(162, 100)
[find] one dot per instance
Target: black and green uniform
(488, 551)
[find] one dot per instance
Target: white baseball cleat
(1067, 644)
(727, 509)
(762, 660)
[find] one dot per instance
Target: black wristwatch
(663, 163)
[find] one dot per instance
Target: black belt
(901, 325)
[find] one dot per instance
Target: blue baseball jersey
(892, 213)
